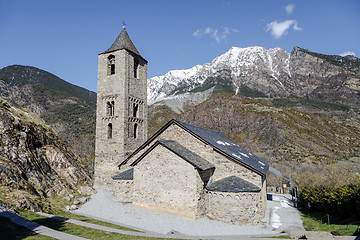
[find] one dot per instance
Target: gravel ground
(103, 205)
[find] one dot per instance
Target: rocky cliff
(34, 163)
(68, 109)
(327, 78)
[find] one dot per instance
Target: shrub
(342, 201)
(333, 190)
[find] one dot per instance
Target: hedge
(343, 200)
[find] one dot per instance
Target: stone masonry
(165, 182)
(121, 118)
(180, 182)
(182, 169)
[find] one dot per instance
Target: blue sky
(64, 37)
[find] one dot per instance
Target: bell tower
(121, 109)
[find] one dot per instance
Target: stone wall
(122, 90)
(111, 88)
(224, 167)
(165, 182)
(263, 198)
(136, 92)
(234, 208)
(202, 203)
(123, 190)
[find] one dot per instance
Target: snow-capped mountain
(273, 72)
(241, 62)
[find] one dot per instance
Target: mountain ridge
(22, 75)
(274, 72)
(68, 109)
(255, 92)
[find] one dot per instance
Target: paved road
(60, 235)
(287, 216)
(150, 234)
(281, 215)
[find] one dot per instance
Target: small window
(108, 109)
(109, 133)
(112, 69)
(111, 65)
(136, 66)
(112, 108)
(135, 130)
(135, 109)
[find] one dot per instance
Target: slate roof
(189, 156)
(224, 145)
(221, 143)
(233, 184)
(123, 41)
(126, 175)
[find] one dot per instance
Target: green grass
(77, 230)
(65, 214)
(57, 206)
(312, 222)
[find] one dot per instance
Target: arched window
(108, 109)
(109, 133)
(136, 66)
(135, 130)
(111, 65)
(135, 109)
(112, 108)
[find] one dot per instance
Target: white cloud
(220, 35)
(278, 29)
(197, 33)
(296, 27)
(352, 53)
(234, 30)
(290, 8)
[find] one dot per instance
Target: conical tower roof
(123, 41)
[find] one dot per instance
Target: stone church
(182, 169)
